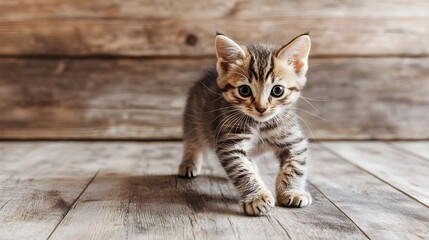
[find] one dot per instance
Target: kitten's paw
(259, 204)
(294, 198)
(189, 171)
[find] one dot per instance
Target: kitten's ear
(296, 53)
(227, 51)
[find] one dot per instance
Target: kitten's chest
(265, 138)
(273, 130)
(258, 143)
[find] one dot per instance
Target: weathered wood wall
(120, 69)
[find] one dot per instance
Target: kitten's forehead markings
(257, 65)
(261, 63)
(271, 68)
(272, 79)
(252, 68)
(266, 66)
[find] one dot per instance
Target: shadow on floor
(158, 198)
(161, 194)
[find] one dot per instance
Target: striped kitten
(245, 108)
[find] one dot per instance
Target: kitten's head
(262, 81)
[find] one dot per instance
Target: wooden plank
(404, 36)
(144, 99)
(10, 153)
(319, 215)
(366, 99)
(379, 210)
(114, 9)
(403, 171)
(38, 184)
(95, 98)
(139, 196)
(147, 9)
(419, 148)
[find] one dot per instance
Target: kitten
(245, 107)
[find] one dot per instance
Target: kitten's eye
(245, 91)
(277, 91)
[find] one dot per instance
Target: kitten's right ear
(296, 53)
(227, 51)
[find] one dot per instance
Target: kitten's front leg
(290, 185)
(255, 198)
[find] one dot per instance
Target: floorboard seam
(126, 218)
(339, 209)
(232, 228)
(284, 229)
(73, 204)
(1, 208)
(408, 151)
(370, 173)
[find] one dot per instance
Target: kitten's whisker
(218, 98)
(243, 123)
(289, 120)
(220, 115)
(310, 104)
(308, 127)
(223, 108)
(312, 99)
(305, 122)
(215, 119)
(311, 114)
(222, 123)
(210, 89)
(232, 123)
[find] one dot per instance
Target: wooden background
(113, 69)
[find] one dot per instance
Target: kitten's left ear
(228, 52)
(296, 53)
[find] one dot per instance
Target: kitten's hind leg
(192, 161)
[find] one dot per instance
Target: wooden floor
(129, 190)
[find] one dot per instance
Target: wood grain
(140, 197)
(137, 195)
(38, 184)
(359, 98)
(195, 37)
(418, 148)
(366, 200)
(403, 171)
(96, 99)
(149, 9)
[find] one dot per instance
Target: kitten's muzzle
(261, 109)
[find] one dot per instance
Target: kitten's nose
(261, 109)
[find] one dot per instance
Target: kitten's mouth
(259, 117)
(262, 117)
